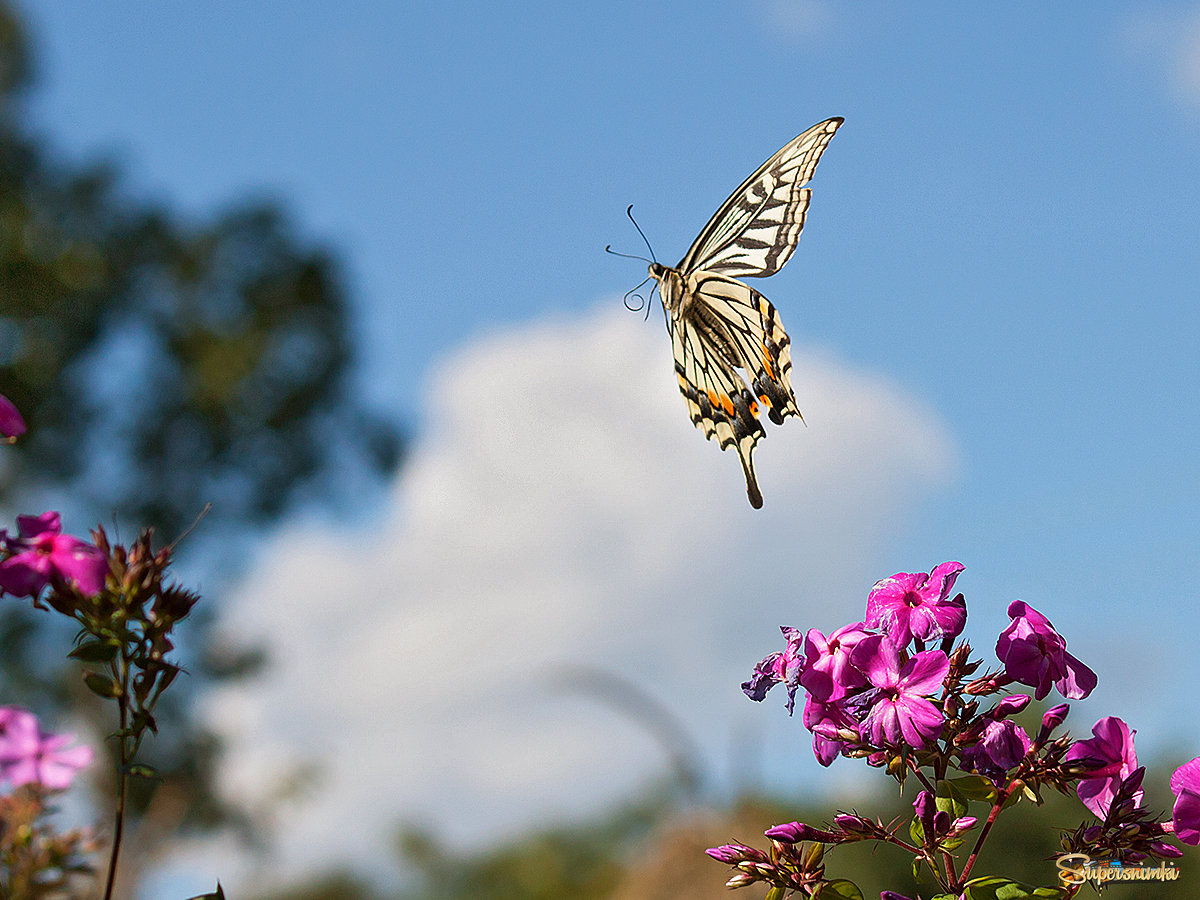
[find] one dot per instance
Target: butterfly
(731, 352)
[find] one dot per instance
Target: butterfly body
(732, 356)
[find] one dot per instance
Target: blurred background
(478, 597)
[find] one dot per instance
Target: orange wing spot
(753, 408)
(768, 365)
(766, 400)
(722, 401)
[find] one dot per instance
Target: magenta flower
(12, 426)
(779, 668)
(899, 707)
(1185, 785)
(42, 553)
(1003, 744)
(1112, 746)
(828, 674)
(827, 721)
(915, 605)
(1035, 654)
(29, 757)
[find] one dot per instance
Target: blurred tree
(161, 365)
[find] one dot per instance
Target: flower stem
(983, 833)
(122, 778)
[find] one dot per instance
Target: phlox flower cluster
(900, 690)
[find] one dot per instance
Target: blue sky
(1002, 243)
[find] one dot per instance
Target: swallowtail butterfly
(731, 352)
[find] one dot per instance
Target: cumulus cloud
(559, 510)
(797, 19)
(1170, 40)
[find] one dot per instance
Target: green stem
(119, 825)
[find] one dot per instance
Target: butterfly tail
(752, 491)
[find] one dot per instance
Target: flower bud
(1051, 719)
(854, 825)
(1011, 705)
(962, 824)
(728, 853)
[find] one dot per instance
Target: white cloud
(798, 19)
(1170, 40)
(559, 509)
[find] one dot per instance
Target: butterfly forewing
(755, 231)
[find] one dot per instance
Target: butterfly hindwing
(756, 229)
(729, 326)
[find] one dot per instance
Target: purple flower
(12, 426)
(915, 605)
(42, 553)
(1185, 785)
(1112, 746)
(827, 722)
(1003, 744)
(29, 757)
(899, 708)
(1035, 654)
(779, 668)
(828, 674)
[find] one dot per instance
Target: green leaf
(993, 887)
(916, 831)
(95, 652)
(973, 787)
(775, 893)
(950, 799)
(101, 685)
(839, 887)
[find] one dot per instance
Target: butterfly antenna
(629, 212)
(633, 294)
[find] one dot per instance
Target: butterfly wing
(728, 326)
(756, 229)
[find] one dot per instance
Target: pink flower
(827, 722)
(12, 426)
(828, 674)
(899, 707)
(1185, 785)
(915, 605)
(1112, 745)
(29, 757)
(1002, 745)
(42, 553)
(1035, 654)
